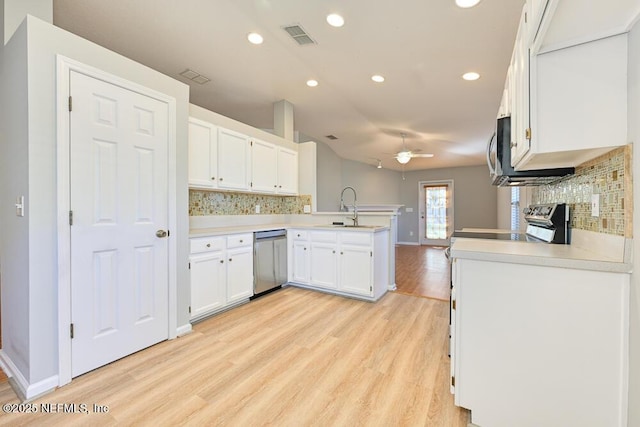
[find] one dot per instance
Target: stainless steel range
(546, 223)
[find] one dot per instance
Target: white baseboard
(184, 330)
(408, 243)
(23, 389)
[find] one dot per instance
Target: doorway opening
(436, 212)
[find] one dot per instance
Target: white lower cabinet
(352, 263)
(221, 272)
(539, 346)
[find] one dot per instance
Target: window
(515, 208)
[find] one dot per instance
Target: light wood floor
(422, 271)
(292, 358)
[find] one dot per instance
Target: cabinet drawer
(239, 240)
(357, 238)
(324, 236)
(299, 234)
(206, 244)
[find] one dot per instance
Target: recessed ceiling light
(335, 20)
(312, 83)
(471, 76)
(467, 3)
(255, 38)
(377, 78)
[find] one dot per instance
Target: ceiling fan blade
(421, 155)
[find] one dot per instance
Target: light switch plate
(408, 209)
(20, 206)
(307, 209)
(257, 208)
(595, 205)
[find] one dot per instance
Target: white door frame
(64, 66)
(421, 207)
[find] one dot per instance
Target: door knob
(161, 233)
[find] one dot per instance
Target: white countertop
(217, 231)
(552, 255)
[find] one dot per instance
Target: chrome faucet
(343, 207)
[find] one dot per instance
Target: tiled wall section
(222, 203)
(609, 176)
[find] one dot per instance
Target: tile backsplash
(225, 203)
(609, 176)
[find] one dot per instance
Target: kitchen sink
(345, 226)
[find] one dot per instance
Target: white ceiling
(422, 47)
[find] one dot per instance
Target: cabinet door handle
(241, 241)
(221, 261)
(341, 253)
(213, 178)
(334, 252)
(513, 144)
(220, 179)
(208, 245)
(275, 186)
(279, 186)
(305, 249)
(298, 235)
(230, 259)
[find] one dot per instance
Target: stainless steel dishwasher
(269, 261)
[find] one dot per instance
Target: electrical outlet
(408, 210)
(257, 208)
(595, 205)
(411, 233)
(307, 209)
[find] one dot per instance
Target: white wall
(634, 134)
(329, 178)
(14, 169)
(44, 42)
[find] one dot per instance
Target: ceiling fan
(405, 155)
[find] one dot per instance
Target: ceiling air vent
(299, 35)
(195, 76)
(331, 137)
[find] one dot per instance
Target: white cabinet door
(203, 152)
(300, 262)
(239, 263)
(520, 132)
(324, 265)
(287, 171)
(208, 279)
(233, 160)
(356, 269)
(264, 173)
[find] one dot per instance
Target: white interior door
(119, 199)
(436, 212)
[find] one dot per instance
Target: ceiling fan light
(403, 157)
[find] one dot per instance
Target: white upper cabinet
(520, 131)
(264, 171)
(287, 171)
(222, 159)
(203, 149)
(233, 160)
(580, 103)
(569, 105)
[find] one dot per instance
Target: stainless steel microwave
(499, 162)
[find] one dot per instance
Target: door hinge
(70, 217)
(453, 381)
(251, 143)
(371, 254)
(453, 304)
(251, 184)
(168, 233)
(189, 309)
(527, 133)
(70, 103)
(71, 330)
(370, 288)
(189, 266)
